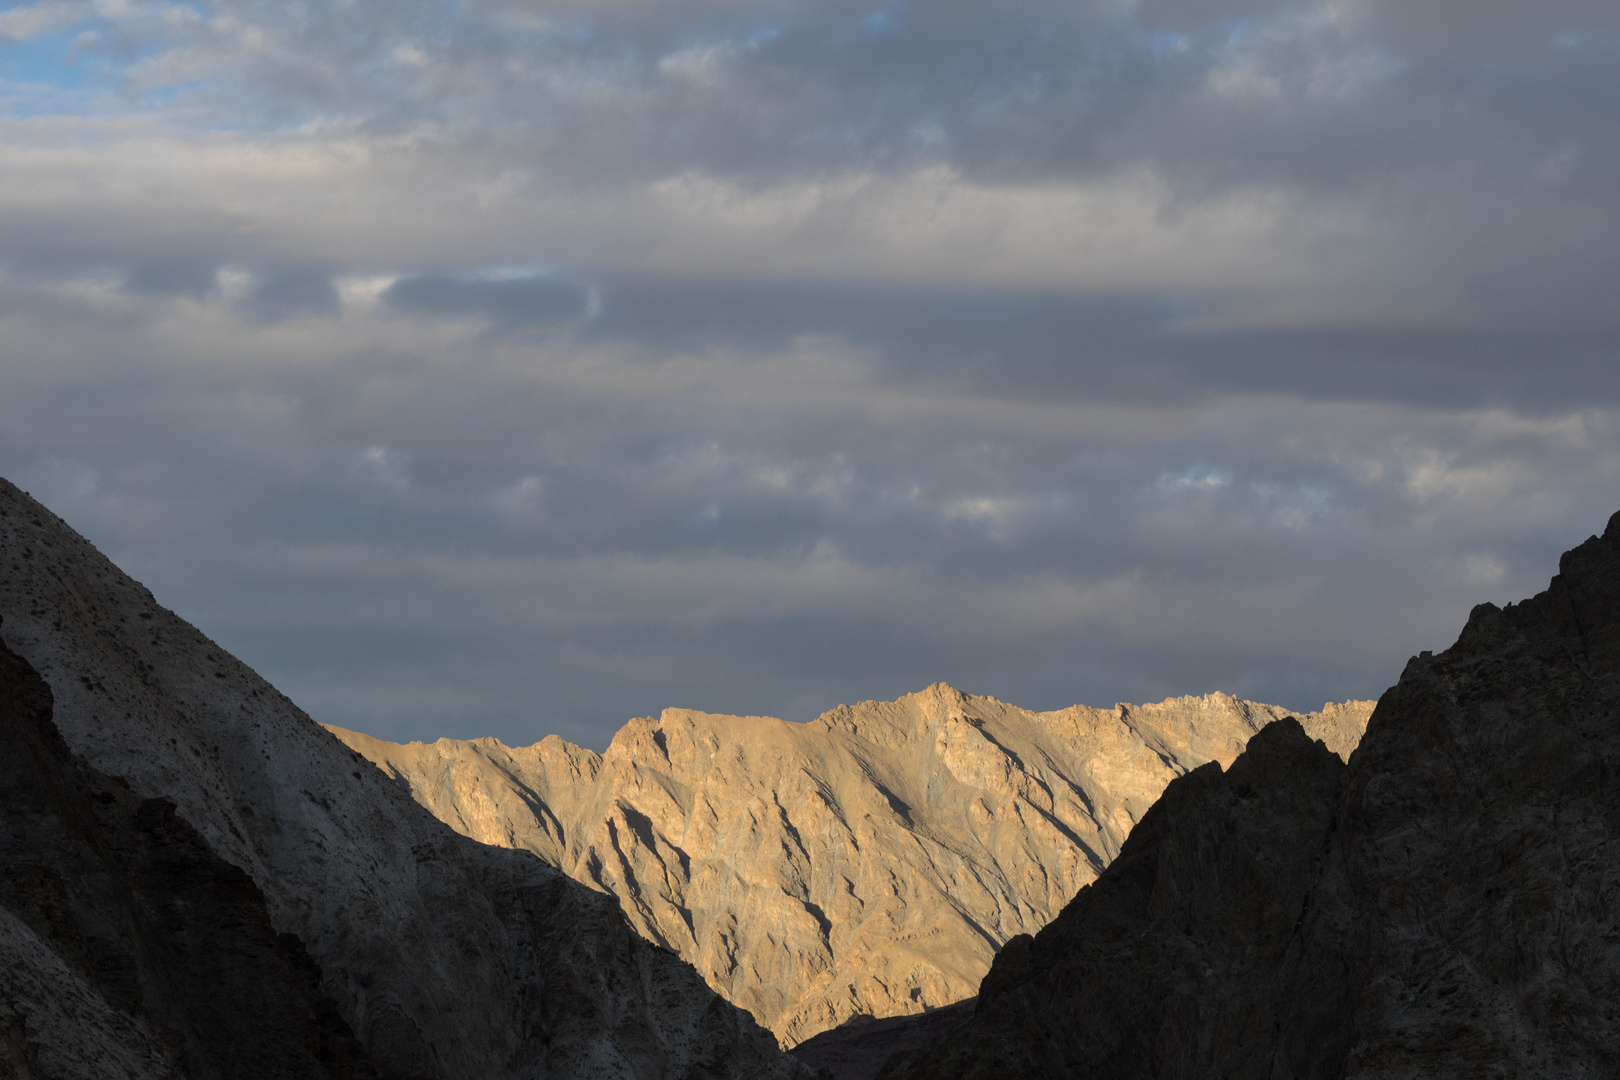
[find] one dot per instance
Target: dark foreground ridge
(1448, 905)
(257, 891)
(857, 1048)
(121, 904)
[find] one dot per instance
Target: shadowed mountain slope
(869, 862)
(448, 959)
(1446, 906)
(129, 948)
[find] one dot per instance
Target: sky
(511, 368)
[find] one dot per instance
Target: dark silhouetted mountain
(1447, 905)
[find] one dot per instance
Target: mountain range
(869, 863)
(445, 958)
(197, 880)
(1445, 905)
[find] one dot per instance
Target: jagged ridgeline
(1447, 905)
(868, 863)
(201, 882)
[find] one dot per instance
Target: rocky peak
(1443, 907)
(868, 863)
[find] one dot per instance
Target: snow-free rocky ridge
(128, 949)
(446, 958)
(868, 863)
(1445, 906)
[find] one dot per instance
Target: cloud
(506, 300)
(504, 367)
(291, 294)
(447, 532)
(20, 24)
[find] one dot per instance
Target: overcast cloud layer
(512, 368)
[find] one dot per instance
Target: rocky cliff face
(870, 862)
(1443, 907)
(447, 959)
(131, 949)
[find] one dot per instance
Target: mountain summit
(868, 863)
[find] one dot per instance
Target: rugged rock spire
(1445, 907)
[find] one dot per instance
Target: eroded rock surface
(870, 862)
(127, 947)
(446, 958)
(1446, 906)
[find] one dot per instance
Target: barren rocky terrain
(128, 949)
(445, 958)
(868, 863)
(1443, 906)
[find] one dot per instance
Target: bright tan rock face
(871, 861)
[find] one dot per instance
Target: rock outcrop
(868, 863)
(130, 948)
(447, 959)
(1445, 906)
